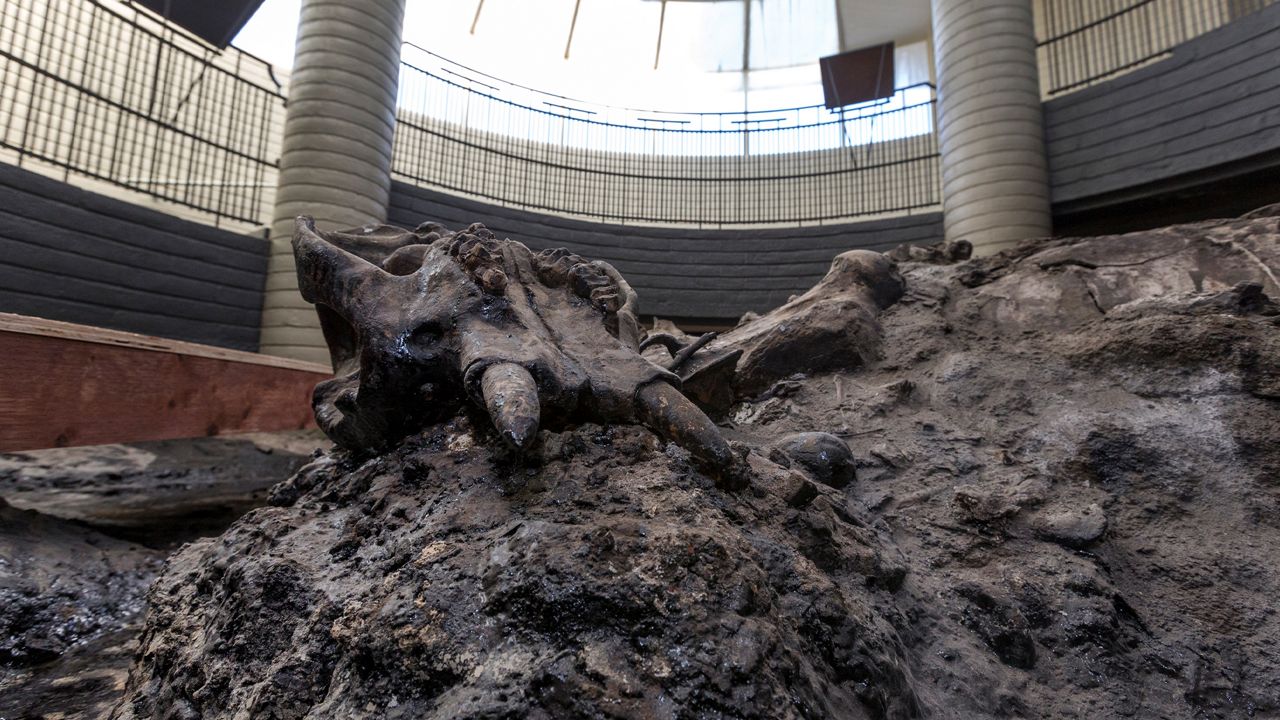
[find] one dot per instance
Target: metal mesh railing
(467, 133)
(108, 92)
(1083, 42)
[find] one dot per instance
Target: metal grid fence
(1083, 42)
(108, 92)
(468, 133)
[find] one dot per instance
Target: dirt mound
(1065, 505)
(604, 572)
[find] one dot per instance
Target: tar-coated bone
(673, 416)
(511, 396)
(421, 323)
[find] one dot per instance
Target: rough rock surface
(74, 575)
(64, 587)
(1066, 507)
(160, 493)
(603, 574)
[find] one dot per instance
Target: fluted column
(995, 180)
(335, 163)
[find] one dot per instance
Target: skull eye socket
(426, 335)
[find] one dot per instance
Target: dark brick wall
(73, 255)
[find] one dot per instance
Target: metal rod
(572, 25)
(662, 21)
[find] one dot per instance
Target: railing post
(995, 183)
(335, 164)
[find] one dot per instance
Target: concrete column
(995, 179)
(335, 163)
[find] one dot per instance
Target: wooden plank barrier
(64, 384)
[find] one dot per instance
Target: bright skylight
(613, 48)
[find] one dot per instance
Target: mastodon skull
(420, 322)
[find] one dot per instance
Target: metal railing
(108, 92)
(1083, 42)
(467, 133)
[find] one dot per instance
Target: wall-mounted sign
(858, 76)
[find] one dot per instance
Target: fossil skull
(421, 322)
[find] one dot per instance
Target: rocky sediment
(66, 591)
(85, 530)
(1059, 501)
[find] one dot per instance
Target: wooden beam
(64, 384)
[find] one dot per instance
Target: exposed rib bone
(672, 343)
(688, 350)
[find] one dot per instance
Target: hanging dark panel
(215, 22)
(858, 76)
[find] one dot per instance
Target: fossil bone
(422, 324)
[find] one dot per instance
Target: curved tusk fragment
(511, 396)
(666, 411)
